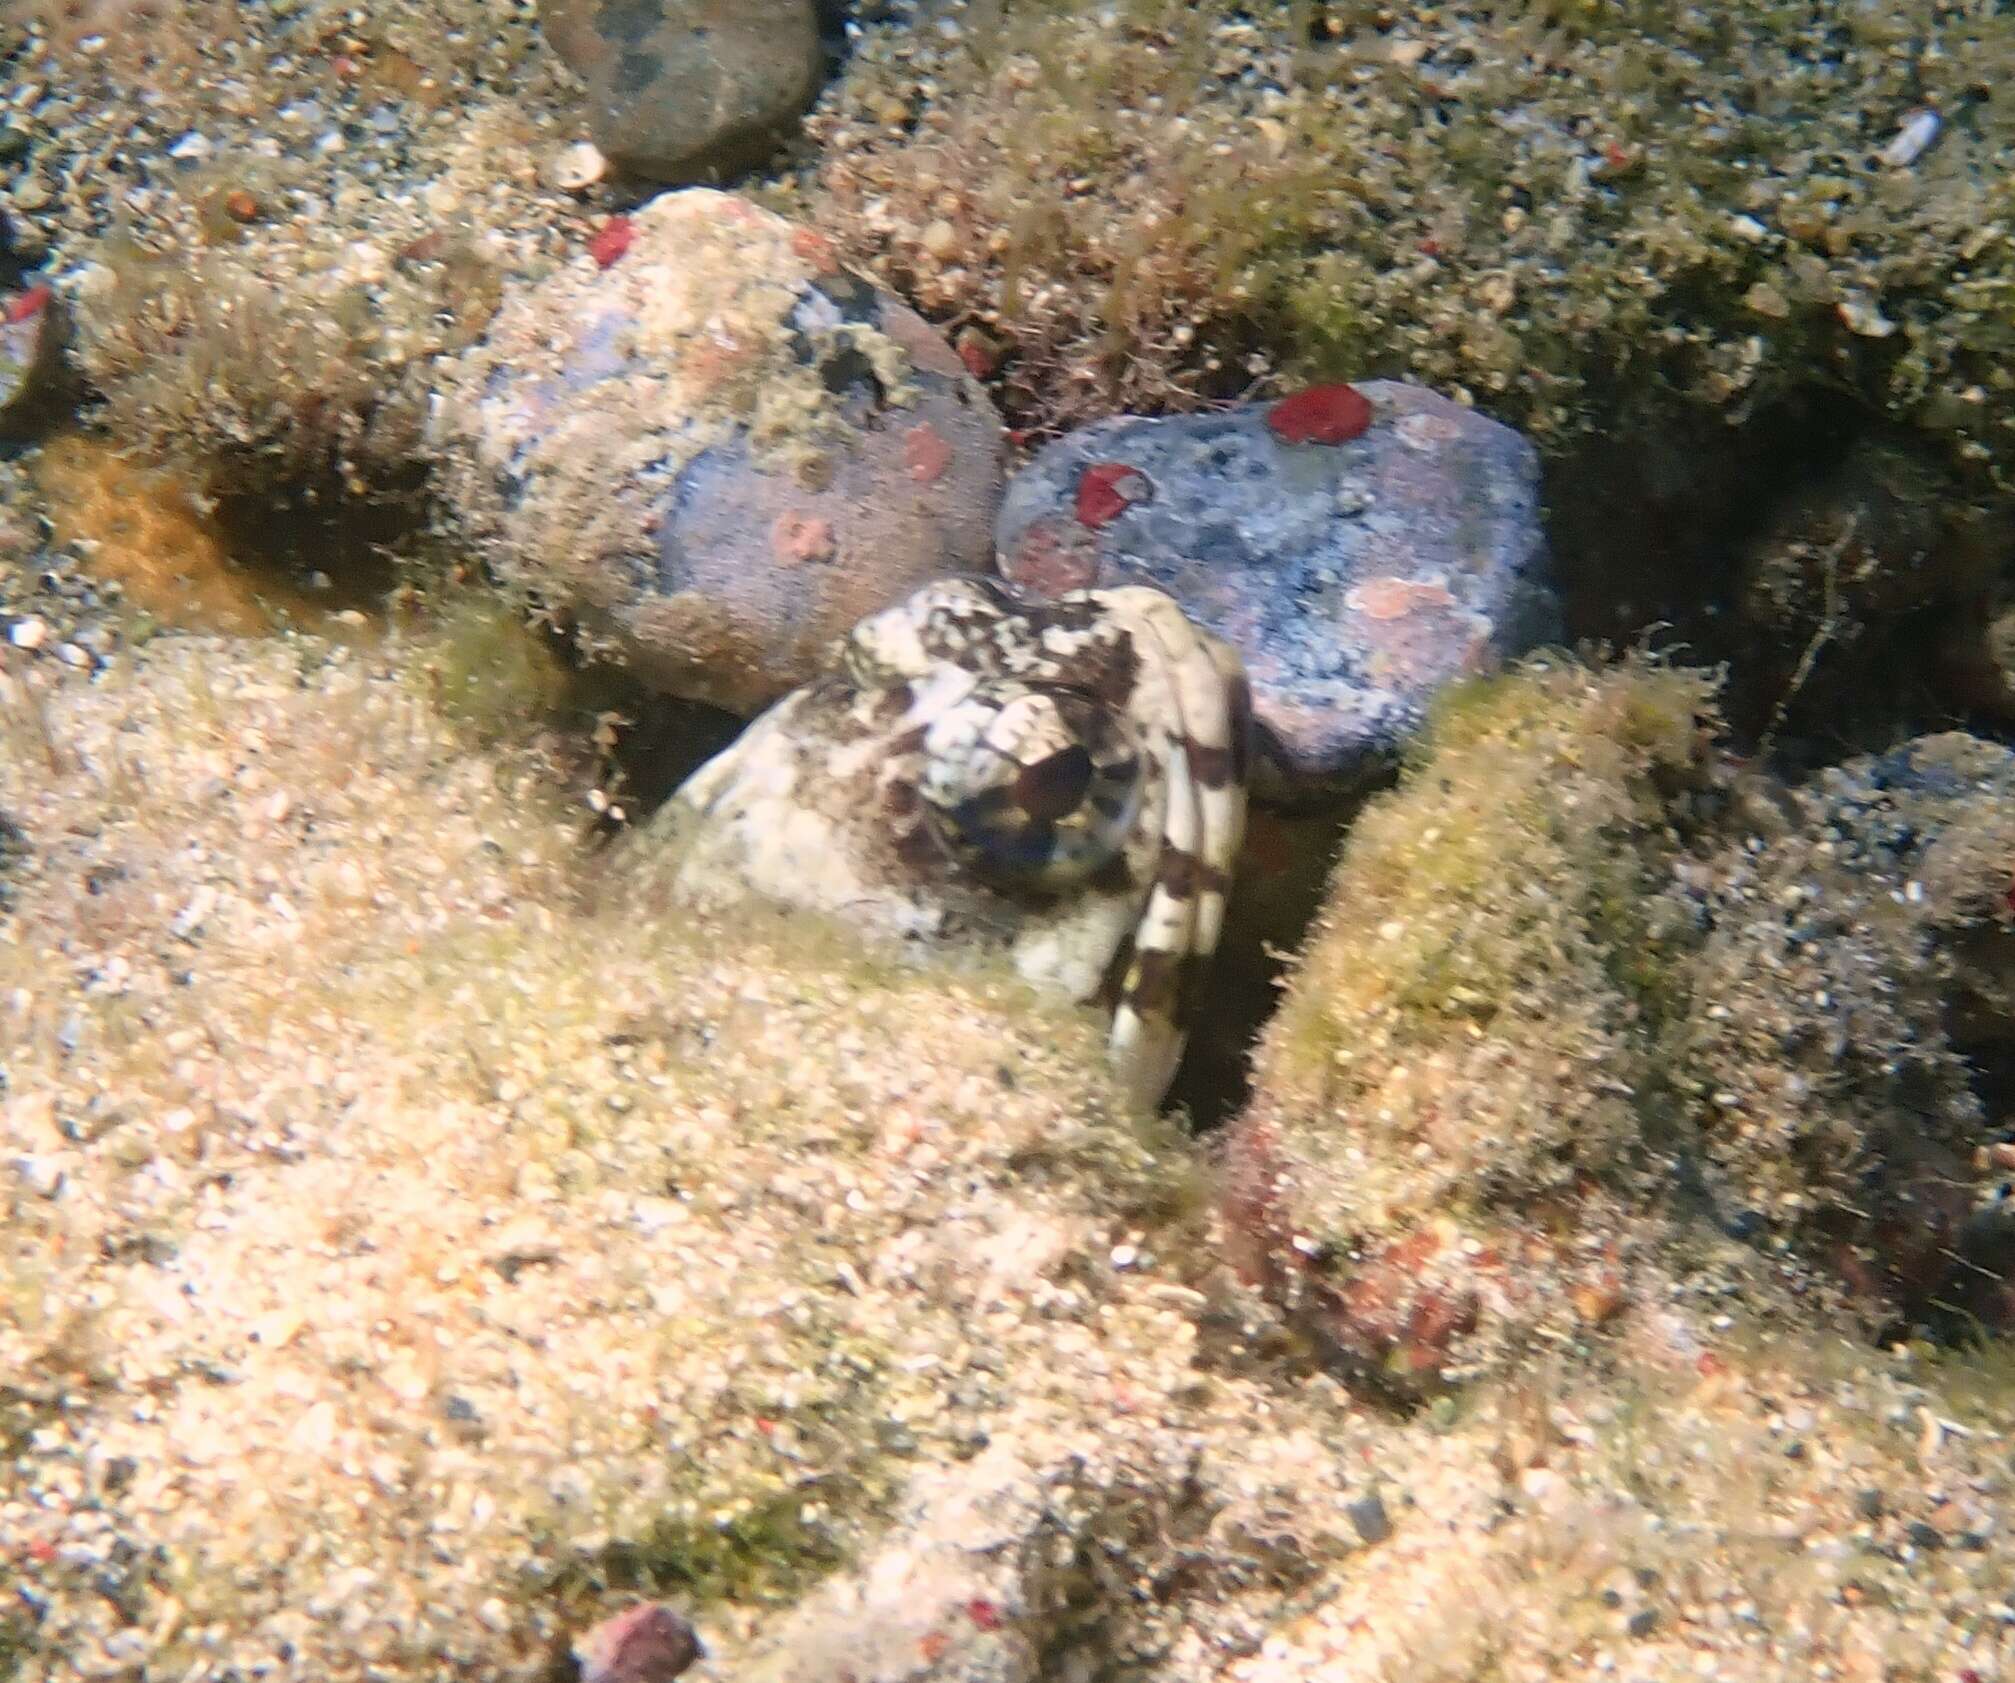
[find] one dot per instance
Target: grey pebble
(1368, 1515)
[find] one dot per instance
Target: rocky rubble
(1583, 998)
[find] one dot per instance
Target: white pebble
(29, 633)
(1912, 140)
(577, 167)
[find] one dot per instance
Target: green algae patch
(1587, 999)
(489, 668)
(1499, 894)
(1447, 1137)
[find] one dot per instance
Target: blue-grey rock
(1355, 577)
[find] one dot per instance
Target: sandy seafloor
(418, 1241)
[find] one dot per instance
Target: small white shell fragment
(577, 167)
(1861, 316)
(1912, 140)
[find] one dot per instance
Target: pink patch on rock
(815, 249)
(1106, 490)
(1320, 415)
(647, 1644)
(612, 239)
(1051, 558)
(797, 538)
(1395, 598)
(926, 453)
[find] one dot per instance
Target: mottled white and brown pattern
(1060, 781)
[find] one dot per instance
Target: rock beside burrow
(1586, 1001)
(1444, 1159)
(715, 449)
(688, 90)
(1359, 545)
(1852, 577)
(31, 349)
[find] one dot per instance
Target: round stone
(1360, 546)
(688, 90)
(715, 449)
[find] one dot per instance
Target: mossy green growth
(1468, 1020)
(741, 1522)
(1449, 1145)
(489, 669)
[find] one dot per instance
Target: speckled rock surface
(688, 90)
(1851, 1016)
(717, 449)
(1356, 577)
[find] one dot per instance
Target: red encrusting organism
(1320, 415)
(29, 303)
(1106, 490)
(611, 240)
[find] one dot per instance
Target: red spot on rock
(926, 453)
(983, 1613)
(30, 303)
(980, 354)
(1106, 490)
(932, 1646)
(797, 538)
(611, 240)
(42, 1551)
(1320, 415)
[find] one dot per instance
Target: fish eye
(1028, 787)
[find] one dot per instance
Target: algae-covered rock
(717, 448)
(1848, 567)
(1575, 1006)
(1446, 1143)
(266, 224)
